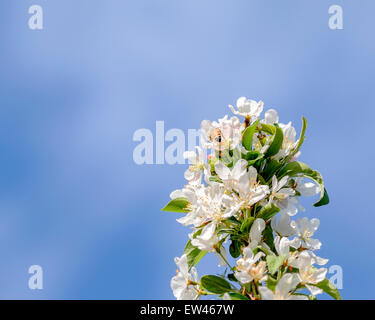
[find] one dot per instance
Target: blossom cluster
(243, 188)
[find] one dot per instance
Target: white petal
(208, 231)
(226, 296)
(274, 184)
(239, 169)
(266, 293)
(240, 102)
(314, 290)
(182, 264)
(222, 170)
(307, 188)
(282, 182)
(298, 297)
(271, 116)
(287, 283)
(257, 229)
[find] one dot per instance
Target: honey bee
(216, 135)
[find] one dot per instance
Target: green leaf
(214, 179)
(215, 284)
(235, 249)
(252, 157)
(268, 128)
(237, 296)
(270, 168)
(221, 230)
(276, 143)
(246, 224)
(271, 283)
(297, 168)
(274, 262)
(233, 221)
(177, 205)
(247, 137)
(268, 237)
(261, 179)
(194, 255)
(300, 140)
(322, 200)
(231, 277)
(268, 211)
(329, 288)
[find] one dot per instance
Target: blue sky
(71, 96)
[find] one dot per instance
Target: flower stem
(226, 261)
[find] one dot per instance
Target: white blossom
(309, 275)
(248, 108)
(195, 171)
(249, 189)
(208, 241)
(282, 195)
(305, 230)
(283, 289)
(181, 283)
(282, 226)
(249, 268)
(221, 135)
(231, 177)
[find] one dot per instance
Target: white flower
(181, 284)
(209, 241)
(194, 173)
(255, 234)
(286, 284)
(249, 268)
(306, 188)
(221, 135)
(278, 192)
(282, 246)
(317, 260)
(305, 229)
(309, 275)
(289, 142)
(289, 206)
(282, 226)
(206, 204)
(230, 177)
(282, 196)
(270, 117)
(260, 145)
(250, 190)
(292, 204)
(195, 215)
(216, 204)
(248, 108)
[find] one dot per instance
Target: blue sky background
(71, 96)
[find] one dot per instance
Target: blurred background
(73, 201)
